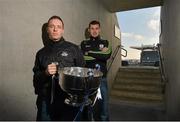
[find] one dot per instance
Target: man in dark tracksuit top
(67, 55)
(96, 52)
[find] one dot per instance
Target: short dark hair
(94, 22)
(55, 17)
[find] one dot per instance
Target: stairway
(138, 85)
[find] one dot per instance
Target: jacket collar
(57, 43)
(95, 38)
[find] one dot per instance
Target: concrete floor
(123, 112)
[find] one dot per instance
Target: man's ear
(63, 31)
(47, 30)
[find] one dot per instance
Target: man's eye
(51, 26)
(59, 27)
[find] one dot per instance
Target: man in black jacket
(65, 54)
(96, 53)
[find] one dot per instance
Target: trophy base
(77, 101)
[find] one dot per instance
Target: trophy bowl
(80, 84)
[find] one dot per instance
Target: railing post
(114, 55)
(161, 67)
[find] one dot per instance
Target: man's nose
(55, 28)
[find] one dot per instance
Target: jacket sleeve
(79, 59)
(39, 77)
(84, 48)
(102, 55)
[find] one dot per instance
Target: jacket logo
(64, 54)
(101, 46)
(88, 45)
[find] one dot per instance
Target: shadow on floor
(120, 112)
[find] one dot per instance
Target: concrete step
(136, 72)
(156, 105)
(138, 87)
(140, 69)
(136, 95)
(140, 81)
(138, 75)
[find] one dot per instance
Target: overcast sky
(139, 27)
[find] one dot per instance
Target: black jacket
(93, 55)
(63, 52)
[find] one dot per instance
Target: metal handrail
(161, 65)
(125, 52)
(114, 56)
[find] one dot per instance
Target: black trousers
(59, 111)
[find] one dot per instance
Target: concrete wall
(170, 40)
(20, 39)
(117, 61)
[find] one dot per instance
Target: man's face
(94, 30)
(55, 29)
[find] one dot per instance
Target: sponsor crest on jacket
(64, 53)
